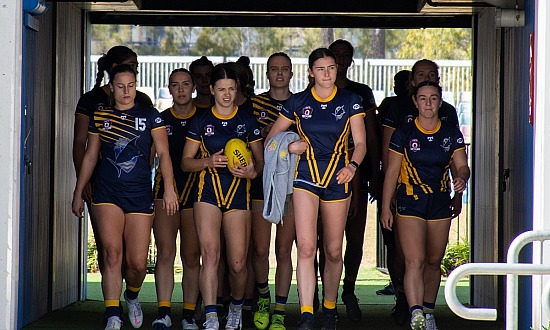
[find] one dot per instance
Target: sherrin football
(237, 153)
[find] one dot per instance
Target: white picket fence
(456, 76)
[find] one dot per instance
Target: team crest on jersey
(356, 106)
(209, 130)
(409, 118)
(414, 145)
(106, 124)
(339, 112)
(307, 112)
(241, 129)
(169, 130)
(263, 114)
(446, 144)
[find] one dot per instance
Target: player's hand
(297, 147)
(345, 174)
(78, 204)
(386, 219)
(217, 160)
(245, 172)
(459, 185)
(170, 202)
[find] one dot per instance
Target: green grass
(368, 282)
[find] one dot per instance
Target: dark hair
(423, 61)
(279, 54)
(115, 55)
(242, 75)
(427, 83)
(344, 43)
(202, 61)
(222, 71)
(319, 53)
(249, 89)
(184, 70)
(120, 69)
(401, 82)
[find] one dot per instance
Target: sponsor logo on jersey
(183, 123)
(459, 140)
(446, 144)
(263, 114)
(169, 130)
(209, 130)
(123, 117)
(430, 138)
(106, 124)
(356, 106)
(307, 112)
(158, 120)
(409, 118)
(339, 112)
(257, 132)
(324, 106)
(414, 145)
(224, 123)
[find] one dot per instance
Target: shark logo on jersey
(307, 112)
(414, 145)
(446, 144)
(339, 112)
(209, 130)
(126, 165)
(241, 129)
(169, 130)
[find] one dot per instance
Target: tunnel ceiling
(291, 13)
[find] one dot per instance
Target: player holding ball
(223, 201)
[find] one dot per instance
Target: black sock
(348, 287)
(163, 311)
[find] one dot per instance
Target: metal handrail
(512, 269)
(512, 280)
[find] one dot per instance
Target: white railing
(456, 76)
(511, 269)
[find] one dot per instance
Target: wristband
(354, 164)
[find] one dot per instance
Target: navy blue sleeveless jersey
(124, 166)
(403, 111)
(212, 131)
(325, 125)
(427, 157)
(176, 128)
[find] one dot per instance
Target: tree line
(434, 43)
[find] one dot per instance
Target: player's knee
(333, 253)
(307, 251)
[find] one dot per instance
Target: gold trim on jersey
(320, 99)
(425, 131)
(178, 116)
(221, 198)
(409, 174)
(231, 115)
(340, 148)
